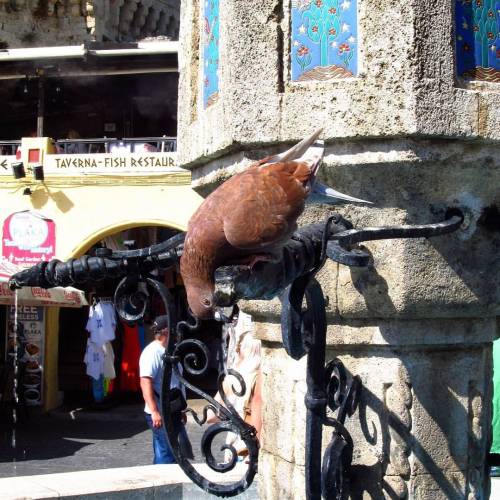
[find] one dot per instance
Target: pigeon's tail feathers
(313, 157)
(297, 151)
(324, 194)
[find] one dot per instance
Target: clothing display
(100, 360)
(129, 367)
(99, 356)
(102, 322)
(142, 336)
(98, 391)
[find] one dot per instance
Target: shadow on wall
(465, 177)
(437, 396)
(41, 196)
(441, 392)
(393, 435)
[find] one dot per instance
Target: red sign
(28, 238)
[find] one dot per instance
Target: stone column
(405, 133)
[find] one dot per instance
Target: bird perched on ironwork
(250, 216)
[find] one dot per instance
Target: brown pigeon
(249, 217)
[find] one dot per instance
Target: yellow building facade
(88, 197)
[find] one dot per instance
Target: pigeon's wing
(262, 204)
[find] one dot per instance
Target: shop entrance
(74, 379)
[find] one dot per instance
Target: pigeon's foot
(252, 260)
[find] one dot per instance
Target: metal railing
(112, 144)
(9, 147)
(163, 144)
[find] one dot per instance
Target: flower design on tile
(344, 48)
(210, 53)
(302, 51)
(303, 57)
(323, 26)
(475, 57)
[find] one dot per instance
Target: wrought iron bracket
(292, 278)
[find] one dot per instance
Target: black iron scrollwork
(191, 356)
(343, 393)
(290, 276)
(304, 332)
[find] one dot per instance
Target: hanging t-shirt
(99, 360)
(94, 359)
(102, 323)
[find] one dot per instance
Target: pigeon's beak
(333, 196)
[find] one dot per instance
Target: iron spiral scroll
(193, 356)
(291, 276)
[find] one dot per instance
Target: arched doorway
(77, 386)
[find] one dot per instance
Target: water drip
(15, 389)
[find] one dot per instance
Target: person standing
(249, 405)
(151, 375)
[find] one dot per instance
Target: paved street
(81, 440)
(88, 440)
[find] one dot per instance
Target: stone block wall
(42, 23)
(422, 424)
(34, 23)
(411, 134)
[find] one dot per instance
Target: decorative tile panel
(478, 39)
(324, 39)
(210, 48)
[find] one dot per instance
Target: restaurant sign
(28, 238)
(99, 163)
(109, 163)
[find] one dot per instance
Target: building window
(324, 42)
(210, 44)
(477, 39)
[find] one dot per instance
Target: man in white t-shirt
(151, 374)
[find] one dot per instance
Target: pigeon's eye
(206, 302)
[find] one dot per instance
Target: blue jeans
(162, 452)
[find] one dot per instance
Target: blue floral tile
(210, 50)
(477, 30)
(324, 42)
